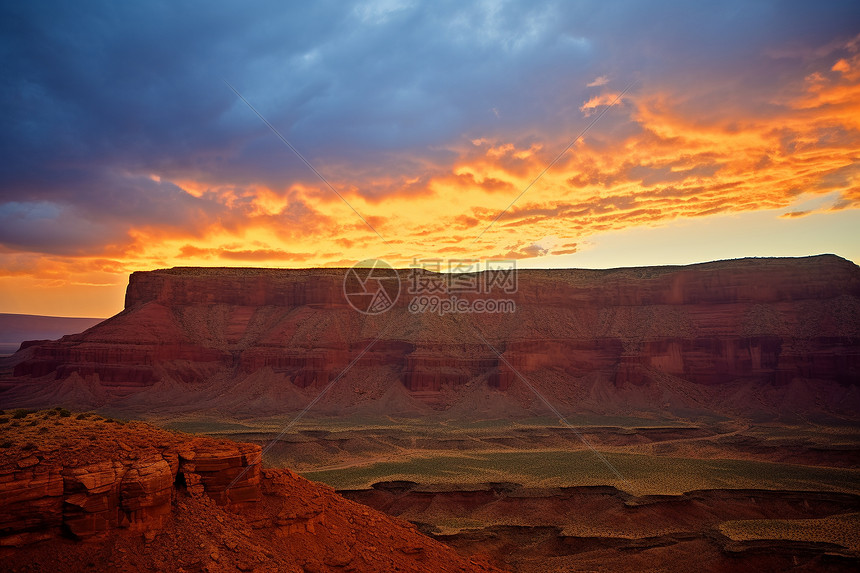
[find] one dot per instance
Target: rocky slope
(81, 493)
(764, 337)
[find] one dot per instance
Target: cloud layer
(124, 149)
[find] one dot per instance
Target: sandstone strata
(55, 487)
(94, 494)
(742, 336)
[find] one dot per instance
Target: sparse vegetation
(22, 413)
(644, 475)
(837, 529)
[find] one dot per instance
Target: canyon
(732, 496)
(562, 529)
(617, 420)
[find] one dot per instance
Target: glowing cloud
(154, 163)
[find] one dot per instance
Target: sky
(595, 134)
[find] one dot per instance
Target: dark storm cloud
(98, 95)
(99, 212)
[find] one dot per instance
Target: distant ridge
(16, 328)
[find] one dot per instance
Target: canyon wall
(749, 334)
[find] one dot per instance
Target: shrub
(21, 413)
(64, 413)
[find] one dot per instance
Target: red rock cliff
(746, 334)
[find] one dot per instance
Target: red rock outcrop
(227, 474)
(145, 499)
(745, 335)
(90, 482)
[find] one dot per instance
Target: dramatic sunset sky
(124, 149)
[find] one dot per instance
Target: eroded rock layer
(753, 335)
(81, 493)
(93, 481)
(533, 530)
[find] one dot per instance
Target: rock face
(750, 335)
(56, 488)
(144, 499)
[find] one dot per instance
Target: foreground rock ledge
(90, 493)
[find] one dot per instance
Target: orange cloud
(600, 100)
(672, 158)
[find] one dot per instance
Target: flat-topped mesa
(234, 286)
(745, 335)
(763, 280)
(722, 282)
